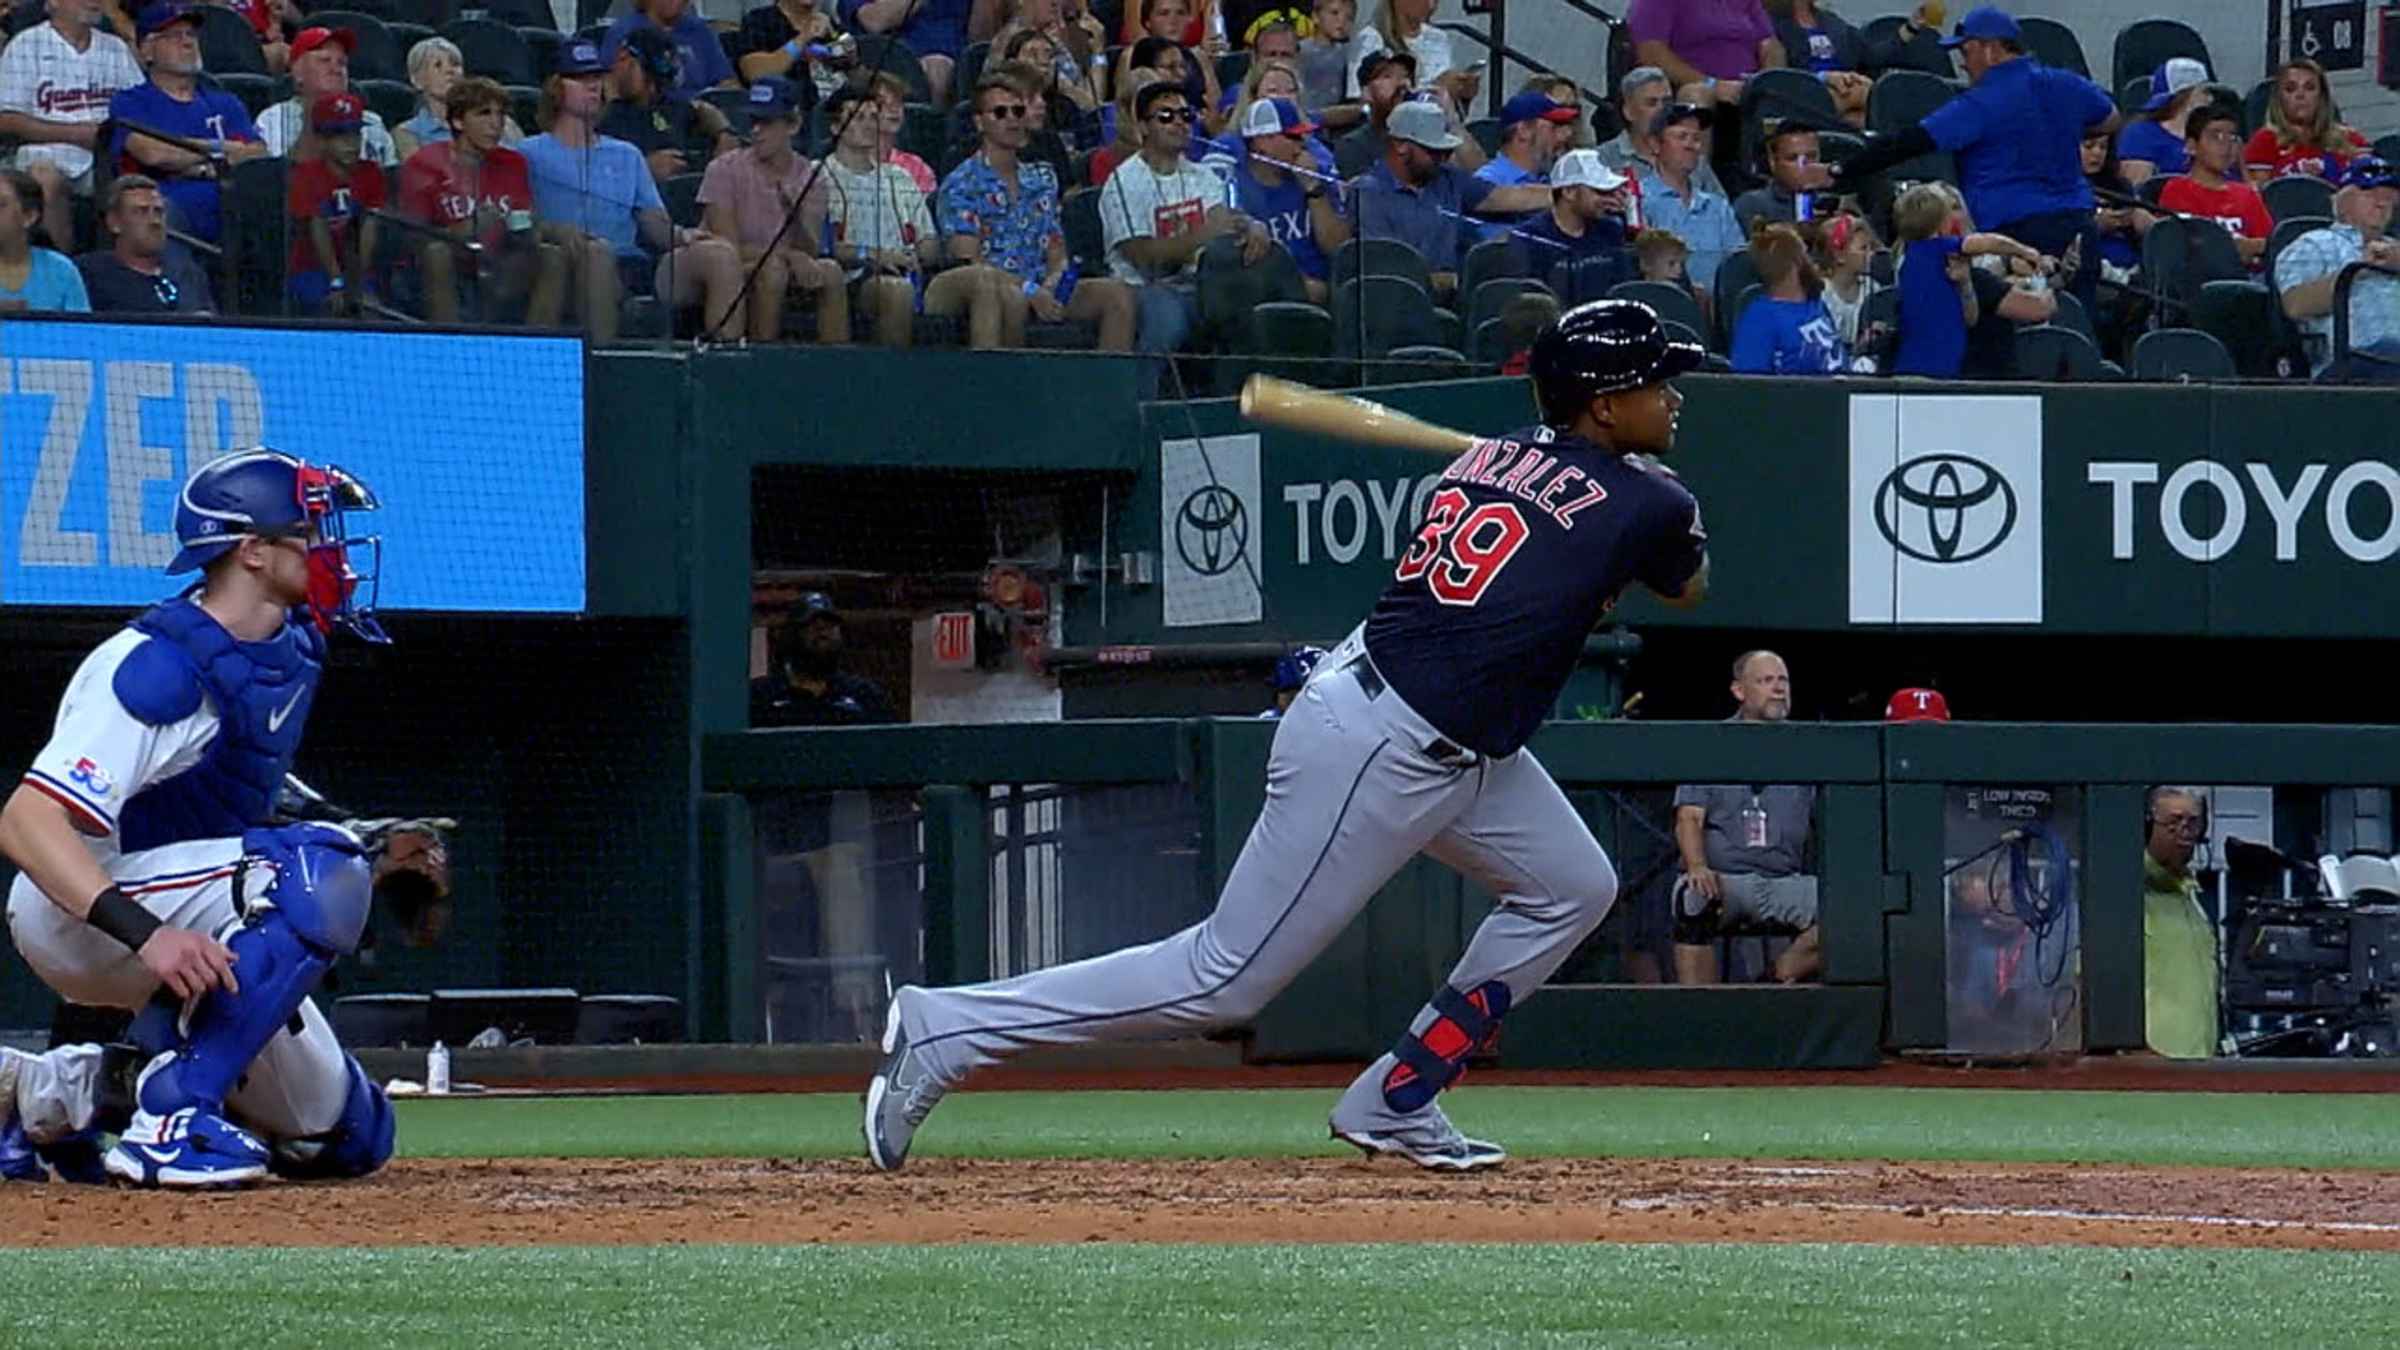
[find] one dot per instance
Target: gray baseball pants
(1357, 784)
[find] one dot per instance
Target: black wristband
(113, 912)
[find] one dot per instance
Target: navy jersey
(1527, 542)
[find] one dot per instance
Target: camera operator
(2179, 943)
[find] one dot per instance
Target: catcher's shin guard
(1437, 1057)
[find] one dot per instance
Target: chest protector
(261, 692)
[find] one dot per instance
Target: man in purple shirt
(1706, 47)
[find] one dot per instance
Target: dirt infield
(475, 1203)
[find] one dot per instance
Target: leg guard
(358, 1144)
(310, 914)
(1436, 1058)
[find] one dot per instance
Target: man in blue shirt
(1586, 219)
(704, 63)
(172, 101)
(936, 30)
(1279, 183)
(1416, 195)
(2017, 134)
(1673, 199)
(1534, 129)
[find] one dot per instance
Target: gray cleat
(1428, 1139)
(900, 1095)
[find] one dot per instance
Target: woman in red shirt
(2304, 131)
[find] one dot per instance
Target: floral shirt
(1016, 230)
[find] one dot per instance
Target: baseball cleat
(17, 1161)
(189, 1150)
(76, 1159)
(900, 1095)
(1431, 1142)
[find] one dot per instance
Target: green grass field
(1384, 1296)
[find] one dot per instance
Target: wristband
(792, 49)
(1032, 289)
(337, 284)
(114, 913)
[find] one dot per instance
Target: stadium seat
(2246, 318)
(256, 236)
(406, 36)
(227, 44)
(2297, 195)
(2132, 94)
(1733, 312)
(682, 195)
(901, 63)
(1403, 365)
(2181, 354)
(392, 100)
(1079, 218)
(2254, 106)
(1490, 346)
(1228, 289)
(2387, 148)
(524, 106)
(926, 134)
(1382, 258)
(2180, 254)
(2285, 231)
(1294, 341)
(1734, 275)
(1671, 303)
(1486, 131)
(735, 104)
(1487, 260)
(2054, 44)
(1774, 94)
(545, 44)
(1901, 98)
(2049, 352)
(2150, 187)
(2070, 313)
(493, 50)
(1485, 302)
(430, 13)
(514, 13)
(1232, 68)
(378, 56)
(261, 92)
(2146, 44)
(1373, 314)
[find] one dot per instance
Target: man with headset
(2179, 943)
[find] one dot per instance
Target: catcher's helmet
(1293, 669)
(1604, 347)
(260, 492)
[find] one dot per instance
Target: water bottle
(1804, 206)
(437, 1070)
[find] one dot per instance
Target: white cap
(1585, 168)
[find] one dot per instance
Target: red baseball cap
(309, 39)
(337, 112)
(1917, 705)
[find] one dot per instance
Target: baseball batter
(150, 879)
(1408, 738)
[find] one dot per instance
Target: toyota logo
(1945, 508)
(1212, 530)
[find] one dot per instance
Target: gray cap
(1419, 121)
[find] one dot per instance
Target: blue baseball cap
(774, 98)
(164, 15)
(2172, 77)
(581, 57)
(1275, 117)
(1533, 105)
(1988, 22)
(2369, 171)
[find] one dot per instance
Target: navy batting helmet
(263, 493)
(1604, 347)
(1292, 671)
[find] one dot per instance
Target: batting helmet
(1604, 347)
(265, 493)
(1293, 669)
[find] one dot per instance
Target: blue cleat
(189, 1150)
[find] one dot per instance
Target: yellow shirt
(2179, 965)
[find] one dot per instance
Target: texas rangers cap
(309, 39)
(1988, 22)
(1533, 105)
(2370, 172)
(1376, 61)
(1585, 168)
(1275, 117)
(776, 99)
(164, 15)
(1917, 705)
(1423, 123)
(580, 57)
(335, 113)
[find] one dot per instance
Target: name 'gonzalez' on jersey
(1527, 543)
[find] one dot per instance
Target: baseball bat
(1297, 407)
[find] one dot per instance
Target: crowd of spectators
(865, 166)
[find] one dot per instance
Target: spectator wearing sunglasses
(142, 275)
(1158, 210)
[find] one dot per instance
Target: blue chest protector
(261, 692)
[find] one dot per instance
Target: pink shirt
(1719, 37)
(759, 200)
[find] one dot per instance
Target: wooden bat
(1339, 417)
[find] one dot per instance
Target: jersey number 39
(1460, 553)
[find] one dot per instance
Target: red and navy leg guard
(1437, 1057)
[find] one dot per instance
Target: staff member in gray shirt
(1743, 847)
